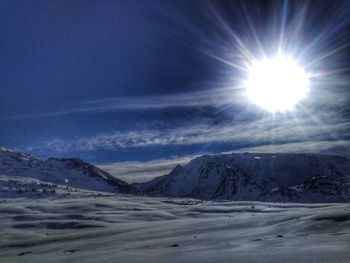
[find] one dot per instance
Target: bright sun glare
(276, 84)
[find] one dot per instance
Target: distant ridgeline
(246, 176)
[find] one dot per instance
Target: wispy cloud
(217, 98)
(340, 147)
(211, 97)
(259, 132)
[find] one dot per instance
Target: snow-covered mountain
(261, 177)
(70, 172)
(246, 176)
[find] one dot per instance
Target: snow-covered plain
(120, 228)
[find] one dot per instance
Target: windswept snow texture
(115, 228)
(262, 177)
(70, 172)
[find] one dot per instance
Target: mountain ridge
(257, 177)
(279, 177)
(72, 172)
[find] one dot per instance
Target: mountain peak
(5, 149)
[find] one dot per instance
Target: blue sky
(145, 82)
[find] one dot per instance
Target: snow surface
(25, 187)
(117, 228)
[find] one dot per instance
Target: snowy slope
(264, 177)
(141, 229)
(24, 187)
(71, 172)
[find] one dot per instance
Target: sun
(276, 84)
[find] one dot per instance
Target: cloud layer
(132, 172)
(264, 131)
